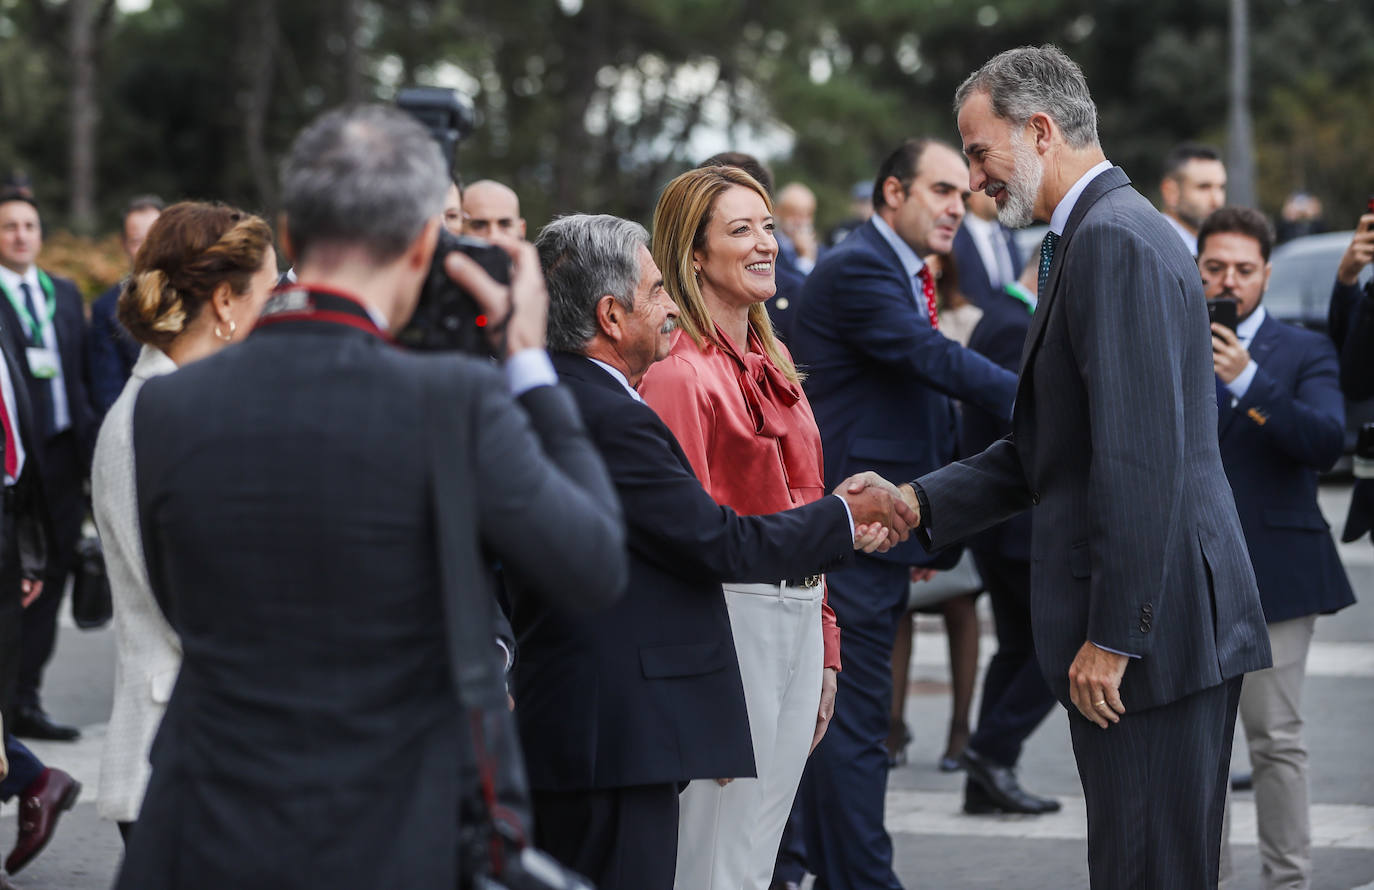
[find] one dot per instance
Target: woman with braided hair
(197, 285)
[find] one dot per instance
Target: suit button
(1144, 626)
(1147, 609)
(1035, 498)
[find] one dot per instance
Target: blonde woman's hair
(680, 219)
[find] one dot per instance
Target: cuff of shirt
(1241, 384)
(527, 369)
(1115, 651)
(849, 514)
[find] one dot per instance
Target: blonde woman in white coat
(198, 283)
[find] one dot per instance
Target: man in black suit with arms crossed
(1143, 602)
(619, 708)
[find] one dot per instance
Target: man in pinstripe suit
(1143, 601)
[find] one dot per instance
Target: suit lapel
(1106, 181)
(1264, 341)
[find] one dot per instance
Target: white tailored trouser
(728, 836)
(1270, 712)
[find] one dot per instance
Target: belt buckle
(811, 581)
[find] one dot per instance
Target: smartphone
(1222, 311)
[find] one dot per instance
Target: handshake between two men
(884, 514)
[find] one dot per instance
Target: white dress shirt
(1064, 209)
(1245, 333)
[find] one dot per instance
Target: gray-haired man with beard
(1143, 601)
(619, 709)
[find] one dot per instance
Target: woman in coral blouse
(732, 396)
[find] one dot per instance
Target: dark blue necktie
(1046, 257)
(33, 332)
(42, 394)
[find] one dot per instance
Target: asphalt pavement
(937, 846)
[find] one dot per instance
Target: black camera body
(447, 318)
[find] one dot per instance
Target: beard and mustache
(1022, 187)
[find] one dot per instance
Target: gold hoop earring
(233, 327)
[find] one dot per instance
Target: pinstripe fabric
(1136, 544)
(1155, 788)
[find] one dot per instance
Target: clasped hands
(884, 514)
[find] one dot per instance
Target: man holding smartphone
(1281, 422)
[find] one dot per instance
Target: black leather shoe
(1242, 782)
(992, 788)
(30, 722)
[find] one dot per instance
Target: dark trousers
(1155, 788)
(25, 768)
(619, 838)
(63, 475)
(1015, 695)
(845, 783)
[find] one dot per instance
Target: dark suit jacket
(999, 335)
(64, 468)
(25, 530)
(881, 382)
(1351, 324)
(285, 491)
(1289, 427)
(1136, 545)
(110, 352)
(648, 691)
(789, 279)
(974, 281)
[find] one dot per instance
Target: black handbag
(91, 607)
(495, 850)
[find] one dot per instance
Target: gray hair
(366, 176)
(1029, 80)
(585, 257)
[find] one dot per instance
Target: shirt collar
(910, 261)
(12, 279)
(1246, 330)
(620, 378)
(1060, 218)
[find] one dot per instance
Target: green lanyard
(35, 330)
(1019, 293)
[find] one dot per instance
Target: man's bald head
(489, 206)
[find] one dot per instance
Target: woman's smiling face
(736, 262)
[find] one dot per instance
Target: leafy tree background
(595, 104)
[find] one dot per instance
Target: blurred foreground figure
(314, 738)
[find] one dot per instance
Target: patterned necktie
(928, 290)
(1046, 257)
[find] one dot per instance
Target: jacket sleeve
(1357, 352)
(104, 370)
(971, 495)
(1308, 423)
(875, 313)
(545, 504)
(674, 523)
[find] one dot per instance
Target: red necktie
(928, 288)
(11, 453)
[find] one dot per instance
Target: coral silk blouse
(747, 430)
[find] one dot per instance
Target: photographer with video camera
(1351, 323)
(315, 504)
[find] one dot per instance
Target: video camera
(447, 318)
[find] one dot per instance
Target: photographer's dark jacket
(285, 494)
(1288, 427)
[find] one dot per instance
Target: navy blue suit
(66, 463)
(789, 279)
(974, 282)
(1351, 323)
(621, 707)
(110, 352)
(882, 385)
(1289, 427)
